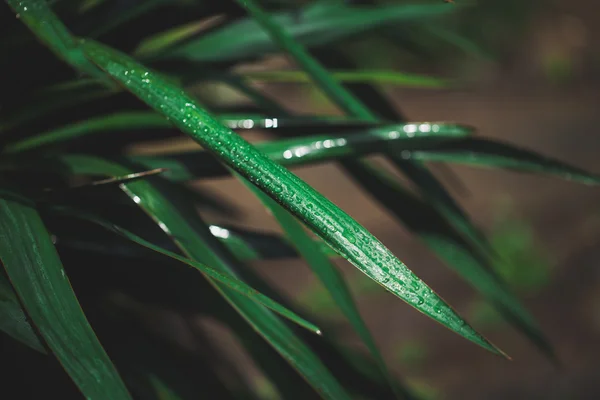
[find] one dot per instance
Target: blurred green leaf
(36, 273)
(493, 154)
(143, 120)
(13, 320)
(314, 149)
(319, 23)
(159, 42)
(225, 279)
(443, 239)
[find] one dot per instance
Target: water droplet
(350, 237)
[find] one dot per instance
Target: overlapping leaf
(319, 23)
(13, 320)
(493, 154)
(329, 276)
(229, 281)
(192, 236)
(36, 273)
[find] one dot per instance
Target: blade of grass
(345, 235)
(318, 23)
(494, 154)
(139, 120)
(441, 237)
(326, 82)
(246, 246)
(310, 150)
(191, 235)
(329, 276)
(155, 44)
(433, 190)
(225, 279)
(36, 273)
(352, 106)
(13, 320)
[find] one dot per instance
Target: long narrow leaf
(439, 234)
(493, 154)
(344, 234)
(143, 120)
(314, 149)
(13, 320)
(328, 275)
(227, 280)
(319, 23)
(36, 273)
(184, 228)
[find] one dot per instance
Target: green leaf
(117, 122)
(319, 24)
(225, 279)
(182, 224)
(36, 273)
(493, 154)
(315, 149)
(13, 320)
(249, 245)
(328, 275)
(141, 120)
(38, 16)
(362, 76)
(443, 239)
(345, 235)
(152, 45)
(272, 28)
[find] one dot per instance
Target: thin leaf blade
(230, 281)
(36, 273)
(191, 235)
